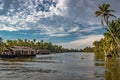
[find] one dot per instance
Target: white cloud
(60, 35)
(53, 32)
(4, 27)
(81, 43)
(60, 9)
(90, 28)
(28, 14)
(74, 29)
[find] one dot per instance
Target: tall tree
(105, 13)
(42, 44)
(1, 41)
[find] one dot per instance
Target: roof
(22, 48)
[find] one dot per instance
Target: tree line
(35, 45)
(110, 44)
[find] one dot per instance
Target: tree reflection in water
(112, 69)
(112, 66)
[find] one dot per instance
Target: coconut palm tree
(1, 41)
(115, 28)
(42, 44)
(105, 13)
(110, 47)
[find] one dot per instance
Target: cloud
(66, 13)
(56, 32)
(60, 35)
(60, 8)
(24, 14)
(83, 10)
(90, 28)
(68, 20)
(82, 42)
(3, 27)
(74, 29)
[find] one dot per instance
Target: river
(62, 66)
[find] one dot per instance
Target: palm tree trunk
(106, 21)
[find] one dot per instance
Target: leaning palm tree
(105, 13)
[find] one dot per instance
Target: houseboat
(18, 51)
(43, 51)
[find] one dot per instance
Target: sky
(70, 23)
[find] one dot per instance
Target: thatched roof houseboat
(18, 51)
(43, 51)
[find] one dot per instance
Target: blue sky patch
(61, 22)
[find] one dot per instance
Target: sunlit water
(62, 66)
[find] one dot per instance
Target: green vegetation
(110, 44)
(34, 44)
(30, 43)
(88, 49)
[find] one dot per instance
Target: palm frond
(107, 5)
(112, 15)
(100, 7)
(110, 11)
(97, 13)
(102, 22)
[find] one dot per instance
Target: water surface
(62, 66)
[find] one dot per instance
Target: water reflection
(112, 69)
(99, 59)
(64, 66)
(112, 66)
(17, 59)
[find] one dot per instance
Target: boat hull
(16, 56)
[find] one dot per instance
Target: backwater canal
(61, 66)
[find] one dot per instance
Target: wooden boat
(18, 51)
(43, 51)
(16, 56)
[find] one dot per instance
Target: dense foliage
(110, 44)
(87, 49)
(34, 44)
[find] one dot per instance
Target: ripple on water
(64, 66)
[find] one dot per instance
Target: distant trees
(88, 49)
(1, 44)
(34, 44)
(39, 45)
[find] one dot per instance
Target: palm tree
(9, 43)
(50, 46)
(1, 41)
(105, 12)
(110, 47)
(42, 44)
(115, 28)
(34, 41)
(20, 42)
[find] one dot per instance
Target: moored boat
(18, 51)
(43, 51)
(16, 56)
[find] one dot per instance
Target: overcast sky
(70, 23)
